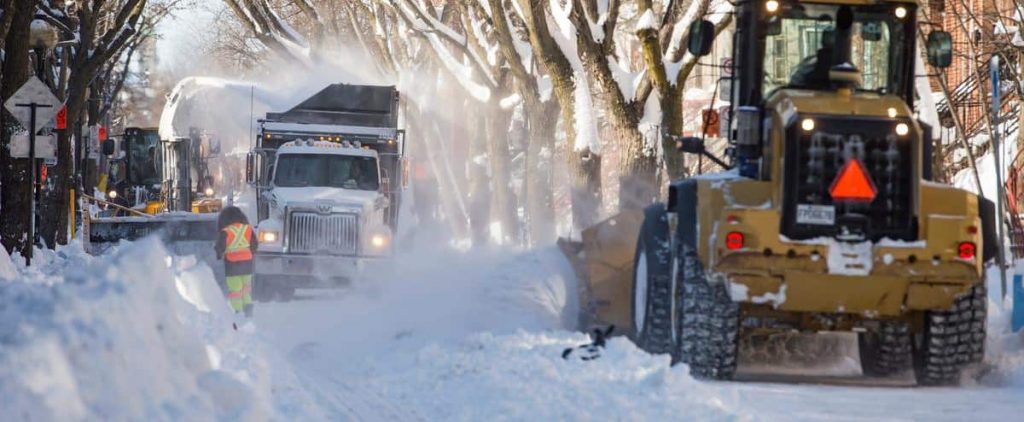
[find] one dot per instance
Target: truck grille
(813, 160)
(335, 234)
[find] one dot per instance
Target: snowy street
(477, 337)
(494, 349)
(511, 210)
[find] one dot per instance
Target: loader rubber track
(952, 339)
(708, 323)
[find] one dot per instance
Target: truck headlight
(379, 241)
(267, 236)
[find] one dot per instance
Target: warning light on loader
(734, 241)
(853, 184)
(966, 250)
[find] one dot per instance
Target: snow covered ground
(438, 335)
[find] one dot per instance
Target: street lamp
(42, 37)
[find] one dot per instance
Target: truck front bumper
(323, 267)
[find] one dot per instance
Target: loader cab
(816, 49)
(823, 86)
(142, 156)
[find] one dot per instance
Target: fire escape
(970, 103)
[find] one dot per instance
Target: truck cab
(327, 179)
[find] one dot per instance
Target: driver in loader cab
(236, 245)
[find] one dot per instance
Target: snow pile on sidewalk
(130, 336)
(1004, 348)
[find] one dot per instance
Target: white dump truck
(328, 176)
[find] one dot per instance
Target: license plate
(822, 215)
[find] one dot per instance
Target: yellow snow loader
(826, 219)
(158, 186)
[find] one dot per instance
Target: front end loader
(827, 219)
(160, 187)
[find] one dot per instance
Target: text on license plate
(822, 215)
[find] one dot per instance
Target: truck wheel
(285, 294)
(261, 290)
(708, 323)
(652, 284)
(951, 339)
(887, 351)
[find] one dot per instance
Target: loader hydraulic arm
(695, 145)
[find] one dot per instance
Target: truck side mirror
(773, 26)
(108, 147)
(250, 166)
(702, 35)
(940, 49)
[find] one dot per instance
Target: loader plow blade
(182, 233)
(603, 262)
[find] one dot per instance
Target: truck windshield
(800, 46)
(336, 171)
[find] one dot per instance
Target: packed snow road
(444, 335)
(479, 335)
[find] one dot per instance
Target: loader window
(144, 158)
(336, 171)
(800, 54)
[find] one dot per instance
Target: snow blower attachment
(827, 221)
(160, 187)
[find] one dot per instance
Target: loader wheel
(951, 339)
(887, 351)
(708, 322)
(652, 284)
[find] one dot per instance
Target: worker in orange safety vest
(236, 245)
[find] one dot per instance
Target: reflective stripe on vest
(239, 248)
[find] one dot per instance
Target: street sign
(726, 66)
(94, 142)
(46, 146)
(62, 118)
(33, 91)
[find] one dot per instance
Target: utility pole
(33, 105)
(33, 180)
(1000, 185)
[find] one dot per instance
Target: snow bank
(1004, 349)
(134, 335)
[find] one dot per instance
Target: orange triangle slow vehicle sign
(853, 184)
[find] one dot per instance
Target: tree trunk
(479, 189)
(14, 172)
(503, 203)
(672, 123)
(638, 170)
(540, 212)
(584, 188)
